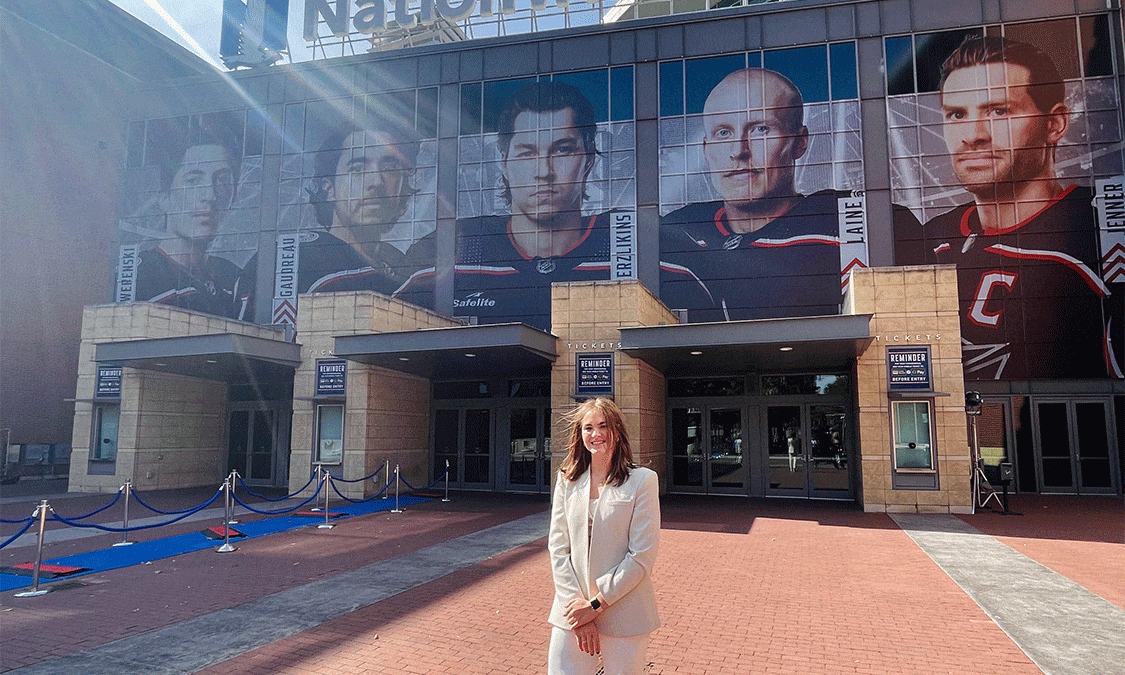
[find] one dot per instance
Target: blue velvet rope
(172, 513)
(357, 501)
(274, 499)
(92, 513)
(359, 480)
(436, 481)
(281, 511)
(97, 511)
(26, 527)
(108, 528)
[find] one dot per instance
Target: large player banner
(190, 217)
(1005, 144)
(357, 195)
(761, 183)
(545, 193)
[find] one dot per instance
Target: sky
(195, 24)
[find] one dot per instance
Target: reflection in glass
(828, 455)
(1093, 445)
(728, 470)
(106, 438)
(477, 445)
(912, 436)
(1054, 444)
(687, 447)
(523, 451)
(330, 434)
(445, 444)
(773, 385)
(786, 448)
(238, 433)
(262, 444)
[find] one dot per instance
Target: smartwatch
(595, 604)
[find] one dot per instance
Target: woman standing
(605, 526)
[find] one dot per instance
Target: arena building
(787, 238)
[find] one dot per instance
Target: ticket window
(105, 440)
(329, 434)
(914, 464)
(103, 445)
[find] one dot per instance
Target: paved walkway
(463, 587)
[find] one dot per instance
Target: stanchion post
(226, 547)
(327, 484)
(230, 498)
(396, 509)
(319, 477)
(446, 481)
(41, 511)
(387, 475)
(127, 488)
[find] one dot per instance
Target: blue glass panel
(842, 58)
(754, 60)
(900, 65)
(671, 88)
(255, 132)
(470, 108)
(496, 96)
(427, 112)
(931, 50)
(702, 75)
(806, 67)
(136, 144)
(595, 85)
(1097, 52)
(621, 93)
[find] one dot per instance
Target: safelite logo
(474, 300)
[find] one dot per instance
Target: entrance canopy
(508, 349)
(224, 357)
(760, 345)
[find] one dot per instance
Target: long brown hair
(578, 457)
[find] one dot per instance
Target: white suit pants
(620, 655)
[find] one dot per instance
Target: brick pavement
(744, 586)
(96, 609)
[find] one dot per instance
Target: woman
(605, 525)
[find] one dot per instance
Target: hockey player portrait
(761, 249)
(199, 167)
(363, 186)
(1032, 301)
(506, 262)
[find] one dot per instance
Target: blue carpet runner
(146, 551)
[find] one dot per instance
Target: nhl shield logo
(544, 265)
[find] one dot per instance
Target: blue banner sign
(909, 368)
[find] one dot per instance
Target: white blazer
(617, 561)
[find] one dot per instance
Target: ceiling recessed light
(404, 358)
(161, 364)
(696, 353)
(470, 355)
(786, 349)
(211, 361)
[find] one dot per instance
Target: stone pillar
(386, 413)
(586, 317)
(171, 427)
(911, 306)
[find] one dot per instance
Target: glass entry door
(807, 448)
(251, 440)
(463, 438)
(1072, 441)
(529, 449)
(709, 450)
